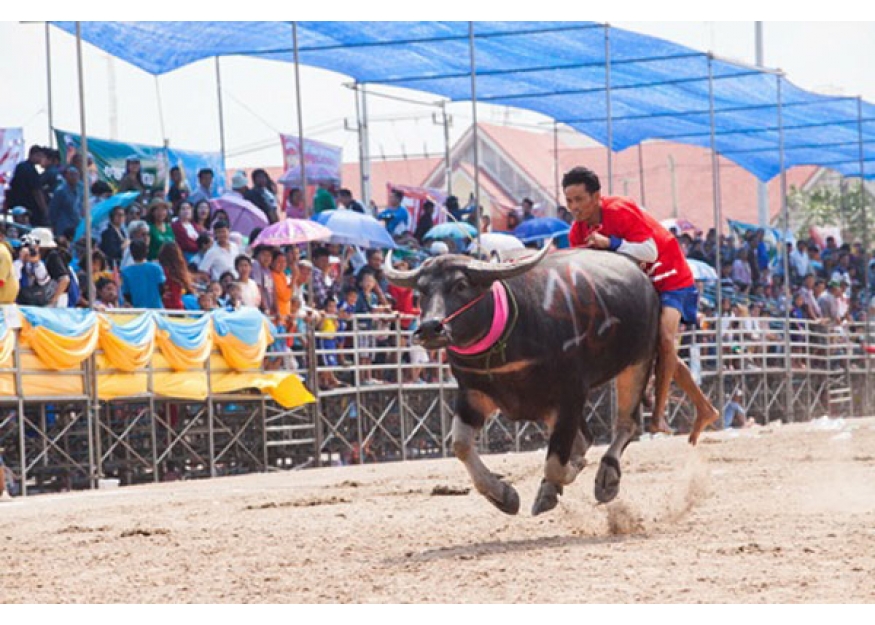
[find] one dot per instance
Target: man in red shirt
(619, 225)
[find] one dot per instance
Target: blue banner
(192, 162)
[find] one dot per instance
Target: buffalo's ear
(484, 273)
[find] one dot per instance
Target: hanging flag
(11, 154)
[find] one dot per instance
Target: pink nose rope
(499, 321)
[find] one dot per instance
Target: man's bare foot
(659, 426)
(704, 418)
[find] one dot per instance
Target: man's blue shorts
(686, 300)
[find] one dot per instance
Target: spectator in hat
(65, 210)
(204, 189)
(20, 215)
(25, 187)
(160, 230)
(132, 180)
(41, 262)
(262, 195)
(238, 184)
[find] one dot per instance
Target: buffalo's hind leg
(569, 440)
(631, 383)
(472, 408)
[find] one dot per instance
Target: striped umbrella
(291, 231)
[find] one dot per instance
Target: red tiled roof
(411, 172)
(533, 153)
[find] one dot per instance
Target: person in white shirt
(250, 294)
(220, 258)
(799, 259)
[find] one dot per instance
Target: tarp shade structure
(61, 339)
(659, 89)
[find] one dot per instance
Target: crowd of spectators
(169, 249)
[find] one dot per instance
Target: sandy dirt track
(782, 514)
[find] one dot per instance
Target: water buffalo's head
(449, 282)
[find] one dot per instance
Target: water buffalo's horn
(405, 279)
(484, 272)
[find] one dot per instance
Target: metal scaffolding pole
(476, 138)
(556, 163)
(221, 112)
(785, 214)
(311, 343)
(448, 163)
(49, 85)
(610, 124)
(641, 173)
(865, 247)
(361, 119)
(718, 218)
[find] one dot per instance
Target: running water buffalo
(531, 337)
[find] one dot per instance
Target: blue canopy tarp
(658, 89)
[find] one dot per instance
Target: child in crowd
(345, 314)
(234, 301)
(328, 343)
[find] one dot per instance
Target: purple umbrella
(291, 231)
(243, 215)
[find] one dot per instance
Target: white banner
(11, 154)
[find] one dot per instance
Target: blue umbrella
(351, 228)
(452, 230)
(540, 228)
(100, 211)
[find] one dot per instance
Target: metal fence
(385, 399)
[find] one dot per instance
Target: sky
(122, 102)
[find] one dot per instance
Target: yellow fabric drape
(122, 355)
(182, 359)
(242, 356)
(285, 388)
(59, 352)
(7, 346)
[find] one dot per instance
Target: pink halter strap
(499, 323)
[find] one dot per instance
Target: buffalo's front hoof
(607, 480)
(509, 502)
(547, 499)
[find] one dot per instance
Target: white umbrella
(496, 242)
(702, 271)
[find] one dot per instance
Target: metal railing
(384, 399)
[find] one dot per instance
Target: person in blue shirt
(65, 209)
(142, 282)
(396, 215)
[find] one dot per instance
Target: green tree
(842, 207)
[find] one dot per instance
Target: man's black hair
(345, 193)
(139, 249)
(174, 168)
(584, 176)
(370, 254)
(240, 258)
(398, 194)
(203, 238)
(100, 187)
(319, 252)
(206, 170)
(220, 224)
(102, 282)
(349, 289)
(36, 149)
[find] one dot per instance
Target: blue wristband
(615, 243)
